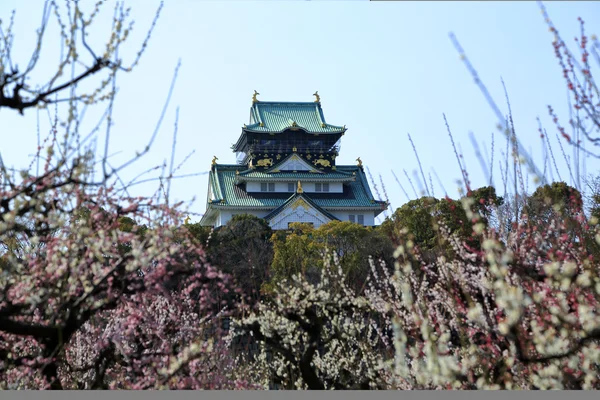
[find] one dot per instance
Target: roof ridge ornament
(299, 188)
(214, 160)
(359, 162)
(316, 94)
(254, 99)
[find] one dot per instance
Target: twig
(419, 163)
(399, 184)
(411, 184)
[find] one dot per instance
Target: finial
(316, 94)
(299, 189)
(294, 149)
(359, 162)
(237, 172)
(254, 99)
(187, 220)
(214, 160)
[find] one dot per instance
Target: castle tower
(287, 172)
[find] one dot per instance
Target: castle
(286, 171)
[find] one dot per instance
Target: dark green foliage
(242, 249)
(556, 202)
(303, 248)
(557, 199)
(199, 233)
(420, 221)
(485, 200)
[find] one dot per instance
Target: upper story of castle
(279, 129)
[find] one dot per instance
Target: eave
(254, 129)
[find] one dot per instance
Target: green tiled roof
(279, 116)
(227, 194)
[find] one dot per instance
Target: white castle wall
(309, 187)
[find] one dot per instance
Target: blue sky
(383, 69)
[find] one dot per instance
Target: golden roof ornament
(187, 220)
(254, 99)
(214, 160)
(294, 149)
(316, 94)
(359, 162)
(299, 189)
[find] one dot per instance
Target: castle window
(321, 187)
(291, 187)
(267, 187)
(352, 218)
(361, 219)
